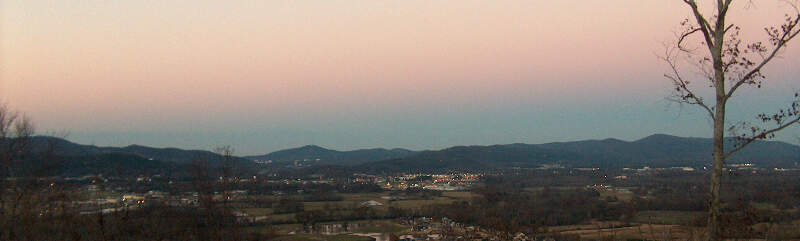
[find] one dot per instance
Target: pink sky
(141, 65)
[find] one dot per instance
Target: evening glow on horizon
(266, 75)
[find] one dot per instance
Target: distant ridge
(657, 150)
(52, 156)
(62, 147)
(333, 157)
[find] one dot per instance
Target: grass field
(379, 226)
(650, 232)
(360, 226)
(655, 225)
(667, 217)
(764, 206)
(304, 237)
(281, 218)
(354, 200)
(459, 195)
(621, 196)
(258, 211)
(423, 202)
(350, 200)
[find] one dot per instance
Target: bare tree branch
(704, 26)
(730, 63)
(763, 135)
(789, 32)
(684, 36)
(685, 94)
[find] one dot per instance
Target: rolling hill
(52, 156)
(322, 156)
(655, 151)
(62, 147)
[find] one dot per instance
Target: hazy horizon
(211, 148)
(265, 76)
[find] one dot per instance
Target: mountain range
(323, 156)
(62, 147)
(655, 151)
(59, 157)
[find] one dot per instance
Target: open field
(422, 202)
(459, 195)
(258, 211)
(667, 217)
(647, 224)
(352, 201)
(621, 196)
(281, 218)
(305, 237)
(359, 226)
(376, 226)
(638, 231)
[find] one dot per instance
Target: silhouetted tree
(16, 131)
(728, 64)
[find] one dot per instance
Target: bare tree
(227, 184)
(227, 178)
(15, 133)
(728, 64)
(215, 183)
(15, 137)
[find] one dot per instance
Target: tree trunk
(714, 229)
(714, 207)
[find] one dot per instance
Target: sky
(267, 75)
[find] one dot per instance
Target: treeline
(148, 223)
(36, 206)
(321, 189)
(756, 205)
(508, 210)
